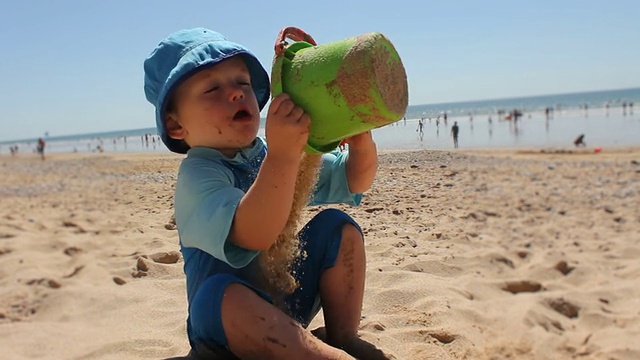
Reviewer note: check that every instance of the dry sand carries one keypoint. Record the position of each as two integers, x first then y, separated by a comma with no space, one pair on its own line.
479,255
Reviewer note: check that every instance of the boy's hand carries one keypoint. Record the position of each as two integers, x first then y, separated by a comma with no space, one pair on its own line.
287,127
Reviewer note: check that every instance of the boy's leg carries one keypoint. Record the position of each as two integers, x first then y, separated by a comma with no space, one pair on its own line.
342,288
332,275
255,329
341,293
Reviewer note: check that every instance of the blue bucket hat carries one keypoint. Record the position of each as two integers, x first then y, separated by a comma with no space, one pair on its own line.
182,54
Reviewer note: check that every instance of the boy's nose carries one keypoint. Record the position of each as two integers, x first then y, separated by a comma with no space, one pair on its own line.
236,92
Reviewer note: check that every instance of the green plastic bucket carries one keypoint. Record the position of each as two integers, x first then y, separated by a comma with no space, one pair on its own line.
347,87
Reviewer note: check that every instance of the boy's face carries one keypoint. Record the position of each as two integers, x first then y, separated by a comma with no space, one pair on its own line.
216,108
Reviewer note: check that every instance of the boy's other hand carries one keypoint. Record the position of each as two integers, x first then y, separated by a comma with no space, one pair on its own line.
287,127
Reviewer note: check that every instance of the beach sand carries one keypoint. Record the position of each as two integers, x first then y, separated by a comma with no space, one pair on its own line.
490,254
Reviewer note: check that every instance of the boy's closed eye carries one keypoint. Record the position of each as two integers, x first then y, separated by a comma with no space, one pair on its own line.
244,81
215,87
212,89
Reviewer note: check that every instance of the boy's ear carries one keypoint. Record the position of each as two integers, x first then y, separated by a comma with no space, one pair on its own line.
174,129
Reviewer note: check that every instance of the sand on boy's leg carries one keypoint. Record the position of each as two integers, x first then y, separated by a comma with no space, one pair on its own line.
342,293
255,329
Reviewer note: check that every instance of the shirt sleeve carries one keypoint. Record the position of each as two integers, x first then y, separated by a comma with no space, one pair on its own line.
205,205
332,187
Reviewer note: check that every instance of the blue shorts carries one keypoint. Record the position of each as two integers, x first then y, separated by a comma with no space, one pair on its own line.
320,238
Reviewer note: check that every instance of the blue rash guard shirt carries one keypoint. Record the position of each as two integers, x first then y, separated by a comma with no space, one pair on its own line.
209,189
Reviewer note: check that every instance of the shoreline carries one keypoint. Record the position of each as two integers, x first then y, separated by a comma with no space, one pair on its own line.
477,131
524,150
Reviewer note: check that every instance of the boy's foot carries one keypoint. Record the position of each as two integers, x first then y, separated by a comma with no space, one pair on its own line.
356,347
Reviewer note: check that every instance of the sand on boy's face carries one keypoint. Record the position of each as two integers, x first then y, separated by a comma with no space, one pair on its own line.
483,255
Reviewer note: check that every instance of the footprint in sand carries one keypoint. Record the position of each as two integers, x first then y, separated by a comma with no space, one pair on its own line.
564,307
72,250
19,309
373,326
71,224
47,282
171,225
74,272
504,260
548,324
516,287
170,257
142,267
564,268
443,337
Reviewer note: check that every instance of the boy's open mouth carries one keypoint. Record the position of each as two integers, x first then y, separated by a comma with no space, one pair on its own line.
242,115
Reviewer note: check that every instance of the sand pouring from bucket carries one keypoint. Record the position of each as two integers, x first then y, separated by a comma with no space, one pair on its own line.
347,87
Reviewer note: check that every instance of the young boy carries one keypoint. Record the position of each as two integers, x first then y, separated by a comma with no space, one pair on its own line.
233,198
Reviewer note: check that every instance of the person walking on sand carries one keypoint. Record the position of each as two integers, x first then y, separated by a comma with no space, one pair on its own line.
40,147
454,133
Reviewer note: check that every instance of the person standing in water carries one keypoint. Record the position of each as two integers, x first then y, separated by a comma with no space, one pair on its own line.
40,147
454,133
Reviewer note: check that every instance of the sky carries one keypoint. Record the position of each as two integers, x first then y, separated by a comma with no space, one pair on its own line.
74,67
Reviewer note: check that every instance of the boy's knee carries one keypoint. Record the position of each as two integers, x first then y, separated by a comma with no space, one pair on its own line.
352,233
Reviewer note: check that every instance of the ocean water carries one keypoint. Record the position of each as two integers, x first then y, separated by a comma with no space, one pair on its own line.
606,118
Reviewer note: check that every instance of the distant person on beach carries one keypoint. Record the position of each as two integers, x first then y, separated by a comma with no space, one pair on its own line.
40,147
579,141
419,130
233,197
454,133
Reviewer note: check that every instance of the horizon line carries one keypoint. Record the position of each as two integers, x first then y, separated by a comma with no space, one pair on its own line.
104,133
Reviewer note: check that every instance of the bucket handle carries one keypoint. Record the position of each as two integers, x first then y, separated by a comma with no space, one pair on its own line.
294,34
280,48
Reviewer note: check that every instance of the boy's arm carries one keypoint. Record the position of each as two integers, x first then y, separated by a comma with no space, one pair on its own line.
362,162
264,209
